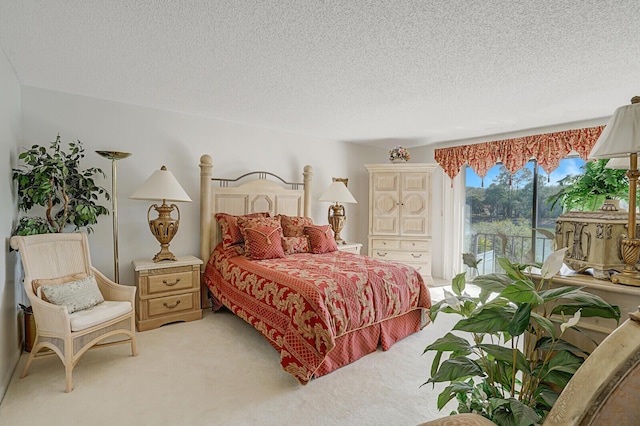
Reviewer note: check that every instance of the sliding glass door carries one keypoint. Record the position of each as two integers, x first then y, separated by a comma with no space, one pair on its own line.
503,211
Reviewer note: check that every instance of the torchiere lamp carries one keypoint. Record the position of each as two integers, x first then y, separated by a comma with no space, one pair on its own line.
114,156
337,193
621,139
162,185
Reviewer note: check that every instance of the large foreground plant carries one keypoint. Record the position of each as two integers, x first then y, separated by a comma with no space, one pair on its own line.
52,178
513,365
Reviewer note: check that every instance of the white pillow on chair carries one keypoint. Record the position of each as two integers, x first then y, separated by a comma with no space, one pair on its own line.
75,295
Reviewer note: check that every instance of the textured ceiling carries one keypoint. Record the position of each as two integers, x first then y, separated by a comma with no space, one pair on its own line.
420,72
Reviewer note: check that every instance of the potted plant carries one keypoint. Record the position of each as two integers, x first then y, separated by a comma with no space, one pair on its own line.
514,362
588,192
52,178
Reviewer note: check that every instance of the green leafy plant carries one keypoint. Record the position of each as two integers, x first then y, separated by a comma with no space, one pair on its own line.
588,191
514,361
52,178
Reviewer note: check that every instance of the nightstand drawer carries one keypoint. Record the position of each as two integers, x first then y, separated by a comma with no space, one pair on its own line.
350,247
170,304
170,282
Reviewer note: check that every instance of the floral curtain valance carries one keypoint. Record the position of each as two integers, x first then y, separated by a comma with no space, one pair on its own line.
548,149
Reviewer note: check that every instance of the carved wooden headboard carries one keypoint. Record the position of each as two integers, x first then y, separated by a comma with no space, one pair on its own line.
249,193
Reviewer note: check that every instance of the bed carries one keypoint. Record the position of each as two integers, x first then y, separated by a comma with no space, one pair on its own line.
320,308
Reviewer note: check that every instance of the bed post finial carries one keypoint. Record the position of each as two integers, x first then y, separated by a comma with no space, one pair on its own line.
308,177
206,166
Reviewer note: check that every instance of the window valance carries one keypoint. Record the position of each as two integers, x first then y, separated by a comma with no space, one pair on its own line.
548,149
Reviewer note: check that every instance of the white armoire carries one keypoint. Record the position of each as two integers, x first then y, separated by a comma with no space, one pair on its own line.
400,214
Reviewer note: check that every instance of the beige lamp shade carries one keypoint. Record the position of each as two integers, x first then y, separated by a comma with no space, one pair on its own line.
621,136
162,185
618,163
337,193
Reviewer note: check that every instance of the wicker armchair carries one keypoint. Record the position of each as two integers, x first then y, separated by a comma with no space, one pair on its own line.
51,256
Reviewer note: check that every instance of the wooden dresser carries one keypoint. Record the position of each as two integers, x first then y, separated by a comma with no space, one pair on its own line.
167,291
400,214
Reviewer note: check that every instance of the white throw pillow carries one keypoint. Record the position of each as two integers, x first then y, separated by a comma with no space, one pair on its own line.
75,295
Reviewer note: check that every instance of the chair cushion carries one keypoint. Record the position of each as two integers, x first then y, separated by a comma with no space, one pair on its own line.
98,314
75,295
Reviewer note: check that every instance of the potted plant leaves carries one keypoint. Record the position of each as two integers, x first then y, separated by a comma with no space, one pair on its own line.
52,178
513,361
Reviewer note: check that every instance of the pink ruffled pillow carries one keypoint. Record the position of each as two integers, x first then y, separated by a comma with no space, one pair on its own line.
293,226
231,234
321,239
263,242
293,245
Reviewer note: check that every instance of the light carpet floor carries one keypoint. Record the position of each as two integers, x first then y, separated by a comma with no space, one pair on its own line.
219,370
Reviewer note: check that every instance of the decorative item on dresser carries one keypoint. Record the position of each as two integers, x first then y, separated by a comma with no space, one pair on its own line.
400,214
399,154
162,185
593,239
167,292
337,193
621,139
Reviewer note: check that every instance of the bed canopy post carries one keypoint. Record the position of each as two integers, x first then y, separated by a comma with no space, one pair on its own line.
206,166
308,177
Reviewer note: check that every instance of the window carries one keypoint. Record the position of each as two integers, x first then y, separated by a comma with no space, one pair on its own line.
502,212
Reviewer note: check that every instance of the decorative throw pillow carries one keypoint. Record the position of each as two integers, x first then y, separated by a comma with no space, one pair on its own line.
231,234
263,242
251,222
321,239
75,295
293,245
37,283
293,226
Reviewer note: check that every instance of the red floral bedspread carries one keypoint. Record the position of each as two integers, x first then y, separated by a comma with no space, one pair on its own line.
302,303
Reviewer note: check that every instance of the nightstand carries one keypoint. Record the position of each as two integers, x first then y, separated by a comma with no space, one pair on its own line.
350,247
168,291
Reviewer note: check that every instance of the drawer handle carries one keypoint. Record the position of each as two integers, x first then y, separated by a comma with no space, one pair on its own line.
381,254
416,256
171,284
166,305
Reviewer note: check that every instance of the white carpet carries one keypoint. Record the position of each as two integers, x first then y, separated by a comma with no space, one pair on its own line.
221,371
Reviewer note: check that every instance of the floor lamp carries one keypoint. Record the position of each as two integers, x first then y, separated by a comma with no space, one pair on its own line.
114,156
621,139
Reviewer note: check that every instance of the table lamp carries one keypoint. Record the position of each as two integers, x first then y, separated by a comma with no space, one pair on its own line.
621,139
337,193
162,185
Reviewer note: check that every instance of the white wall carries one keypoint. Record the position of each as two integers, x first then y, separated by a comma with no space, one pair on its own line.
10,290
157,138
